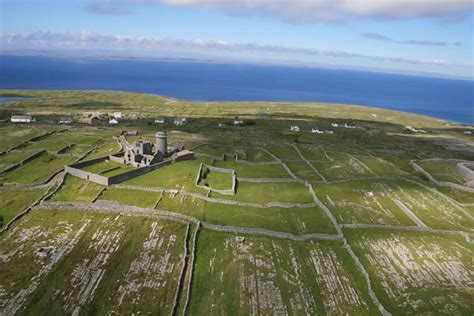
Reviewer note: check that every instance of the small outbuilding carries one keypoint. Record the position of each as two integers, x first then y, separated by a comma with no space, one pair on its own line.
317,131
159,120
22,119
294,128
180,121
113,121
334,124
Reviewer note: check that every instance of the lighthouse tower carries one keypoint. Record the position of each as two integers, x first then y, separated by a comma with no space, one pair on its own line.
162,143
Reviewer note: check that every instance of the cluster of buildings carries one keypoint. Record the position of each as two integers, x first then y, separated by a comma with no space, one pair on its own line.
141,153
314,130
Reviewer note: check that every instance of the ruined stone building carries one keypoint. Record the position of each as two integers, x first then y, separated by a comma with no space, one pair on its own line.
141,152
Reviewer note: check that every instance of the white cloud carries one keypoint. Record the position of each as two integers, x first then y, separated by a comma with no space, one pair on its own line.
325,10
91,40
386,39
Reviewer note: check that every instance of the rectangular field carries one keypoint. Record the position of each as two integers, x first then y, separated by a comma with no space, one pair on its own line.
263,276
37,170
70,262
416,273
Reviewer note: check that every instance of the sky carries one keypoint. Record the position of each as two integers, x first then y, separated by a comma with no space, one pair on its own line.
416,37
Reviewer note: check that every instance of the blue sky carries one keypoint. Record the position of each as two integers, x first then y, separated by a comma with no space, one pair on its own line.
422,36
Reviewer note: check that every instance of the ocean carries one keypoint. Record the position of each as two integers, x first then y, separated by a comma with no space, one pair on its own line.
440,98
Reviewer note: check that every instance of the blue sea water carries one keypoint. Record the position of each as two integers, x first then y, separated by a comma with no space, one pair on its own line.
442,98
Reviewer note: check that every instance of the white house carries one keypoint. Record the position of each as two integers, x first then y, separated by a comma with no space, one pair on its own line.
180,121
238,122
350,125
117,115
317,131
22,119
467,132
65,120
159,120
334,124
294,128
113,121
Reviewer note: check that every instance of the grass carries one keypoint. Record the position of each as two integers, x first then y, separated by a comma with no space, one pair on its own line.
139,198
37,170
270,192
410,271
362,202
180,175
251,171
303,171
13,202
416,273
50,147
442,170
111,246
457,195
76,190
215,180
292,220
103,167
229,279
14,157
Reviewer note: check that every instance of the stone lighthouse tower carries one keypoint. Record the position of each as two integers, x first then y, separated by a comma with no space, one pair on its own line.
162,143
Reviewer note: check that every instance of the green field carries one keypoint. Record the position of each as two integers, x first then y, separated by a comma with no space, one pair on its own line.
13,202
101,263
264,276
76,190
36,170
417,273
270,249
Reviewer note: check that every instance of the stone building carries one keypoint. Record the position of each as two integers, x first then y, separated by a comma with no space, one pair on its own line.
141,152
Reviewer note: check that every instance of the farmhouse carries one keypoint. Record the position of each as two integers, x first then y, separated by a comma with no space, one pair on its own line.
180,121
317,131
22,119
117,115
65,120
294,128
350,125
113,121
160,120
238,121
334,124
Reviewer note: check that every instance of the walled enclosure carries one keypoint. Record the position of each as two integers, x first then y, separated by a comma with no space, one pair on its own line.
75,170
216,169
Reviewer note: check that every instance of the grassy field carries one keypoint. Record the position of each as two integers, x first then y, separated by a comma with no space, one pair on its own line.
180,175
76,190
417,273
362,202
215,179
269,192
78,262
251,171
292,220
36,170
131,197
269,277
102,263
13,202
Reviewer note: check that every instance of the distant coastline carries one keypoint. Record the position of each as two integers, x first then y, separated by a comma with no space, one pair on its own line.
451,100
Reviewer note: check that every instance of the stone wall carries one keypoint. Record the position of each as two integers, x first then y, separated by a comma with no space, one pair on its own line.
230,191
466,170
137,172
89,176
